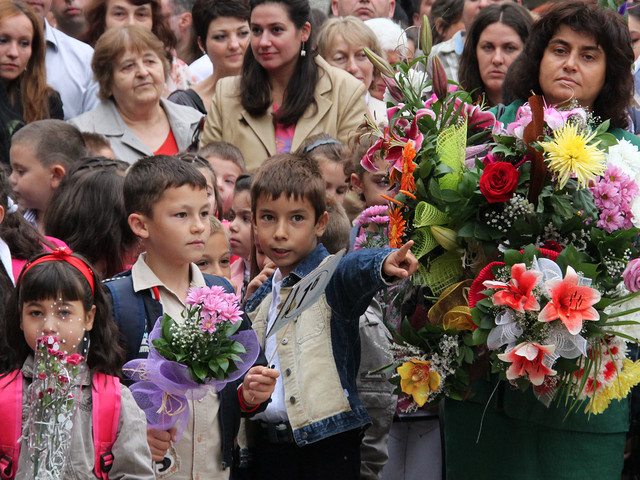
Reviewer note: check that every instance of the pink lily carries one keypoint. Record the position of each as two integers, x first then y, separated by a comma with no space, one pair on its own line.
393,144
526,359
571,303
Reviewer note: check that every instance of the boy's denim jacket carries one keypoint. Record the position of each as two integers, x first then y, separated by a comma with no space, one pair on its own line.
320,350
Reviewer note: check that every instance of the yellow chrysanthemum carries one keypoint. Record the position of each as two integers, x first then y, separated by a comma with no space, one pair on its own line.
417,380
628,377
570,154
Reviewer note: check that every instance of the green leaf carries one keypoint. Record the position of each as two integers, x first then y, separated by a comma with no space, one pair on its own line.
224,364
166,324
237,347
512,257
480,336
199,371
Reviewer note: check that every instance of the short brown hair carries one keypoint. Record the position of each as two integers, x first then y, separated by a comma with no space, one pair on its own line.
224,150
337,235
150,177
54,142
294,175
113,44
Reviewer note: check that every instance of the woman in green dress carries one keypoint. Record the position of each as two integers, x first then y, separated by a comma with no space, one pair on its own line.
576,51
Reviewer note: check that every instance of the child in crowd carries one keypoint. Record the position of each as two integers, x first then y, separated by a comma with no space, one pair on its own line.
41,153
19,240
337,234
315,418
331,157
240,229
87,212
216,259
167,207
59,294
204,167
261,267
374,389
98,145
368,185
228,163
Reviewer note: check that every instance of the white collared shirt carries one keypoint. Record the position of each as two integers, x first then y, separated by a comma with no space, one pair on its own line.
199,456
68,63
276,411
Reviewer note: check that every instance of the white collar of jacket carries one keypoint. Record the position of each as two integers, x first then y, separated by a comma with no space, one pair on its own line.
183,120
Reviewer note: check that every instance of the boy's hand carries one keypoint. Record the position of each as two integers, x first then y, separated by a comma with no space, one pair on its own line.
258,385
400,263
159,442
259,279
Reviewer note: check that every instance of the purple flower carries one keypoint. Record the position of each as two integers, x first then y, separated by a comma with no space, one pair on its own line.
380,219
605,195
196,295
357,244
368,213
612,220
631,275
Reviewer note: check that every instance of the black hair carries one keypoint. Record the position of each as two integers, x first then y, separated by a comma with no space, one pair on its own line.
243,184
609,32
444,13
255,90
206,11
23,239
77,216
59,279
511,14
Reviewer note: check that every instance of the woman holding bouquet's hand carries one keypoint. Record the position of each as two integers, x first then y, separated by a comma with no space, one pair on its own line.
580,53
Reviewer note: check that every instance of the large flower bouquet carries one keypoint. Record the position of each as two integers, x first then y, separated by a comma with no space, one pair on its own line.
54,395
204,350
543,317
466,188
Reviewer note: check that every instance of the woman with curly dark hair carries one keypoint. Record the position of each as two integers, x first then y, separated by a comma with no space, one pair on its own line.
576,51
494,41
102,15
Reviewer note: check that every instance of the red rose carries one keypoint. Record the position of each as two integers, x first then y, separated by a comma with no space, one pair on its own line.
499,181
74,359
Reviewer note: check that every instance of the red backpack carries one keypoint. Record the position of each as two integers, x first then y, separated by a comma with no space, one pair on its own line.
105,396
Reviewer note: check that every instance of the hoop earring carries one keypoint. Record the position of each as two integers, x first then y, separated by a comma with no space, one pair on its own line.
303,52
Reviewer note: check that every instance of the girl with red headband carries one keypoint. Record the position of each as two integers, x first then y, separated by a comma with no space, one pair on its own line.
59,294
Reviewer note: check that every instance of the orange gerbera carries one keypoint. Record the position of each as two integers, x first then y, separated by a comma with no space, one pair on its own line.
407,181
396,227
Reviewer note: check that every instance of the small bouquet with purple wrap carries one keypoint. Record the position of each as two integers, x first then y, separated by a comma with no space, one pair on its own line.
204,350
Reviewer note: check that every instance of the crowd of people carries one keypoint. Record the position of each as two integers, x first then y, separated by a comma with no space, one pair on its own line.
148,147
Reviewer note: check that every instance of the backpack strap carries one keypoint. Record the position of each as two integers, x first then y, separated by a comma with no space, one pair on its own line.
10,423
106,399
128,311
211,280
